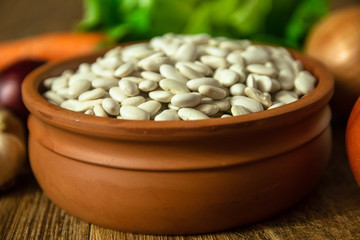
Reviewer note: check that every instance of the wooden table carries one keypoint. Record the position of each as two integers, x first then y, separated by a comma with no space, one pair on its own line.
330,211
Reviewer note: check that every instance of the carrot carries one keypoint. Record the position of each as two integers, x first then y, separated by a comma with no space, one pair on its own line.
49,46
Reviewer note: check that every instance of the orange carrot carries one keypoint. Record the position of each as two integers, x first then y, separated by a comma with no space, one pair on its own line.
49,46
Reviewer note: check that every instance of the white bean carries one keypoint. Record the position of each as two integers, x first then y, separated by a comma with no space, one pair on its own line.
152,107
117,94
124,70
86,105
81,77
237,110
128,87
226,77
148,85
196,66
249,103
237,89
201,68
188,71
143,54
92,94
215,51
59,82
255,55
275,85
258,96
304,82
191,114
69,104
167,115
186,52
263,83
52,96
133,113
89,112
157,42
173,86
285,96
99,111
223,104
286,78
262,69
136,80
129,51
185,100
194,84
214,61
84,68
240,70
64,93
173,107
102,72
297,66
208,109
236,58
161,96
170,72
170,46
250,81
48,82
276,105
78,87
212,92
111,106
109,62
153,76
67,73
133,101
105,83
153,63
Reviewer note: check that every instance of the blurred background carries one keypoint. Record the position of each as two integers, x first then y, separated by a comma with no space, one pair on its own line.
19,18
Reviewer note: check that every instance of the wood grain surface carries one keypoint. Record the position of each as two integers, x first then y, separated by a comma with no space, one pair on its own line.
330,211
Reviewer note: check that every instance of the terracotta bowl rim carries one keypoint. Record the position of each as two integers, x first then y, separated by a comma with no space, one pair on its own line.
56,115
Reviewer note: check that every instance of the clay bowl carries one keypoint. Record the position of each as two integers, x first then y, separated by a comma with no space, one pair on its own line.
178,177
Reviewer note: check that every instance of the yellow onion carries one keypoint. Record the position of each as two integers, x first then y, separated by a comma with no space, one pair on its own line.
335,41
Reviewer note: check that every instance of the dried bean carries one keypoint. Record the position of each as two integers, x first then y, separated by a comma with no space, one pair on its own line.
133,113
191,114
167,115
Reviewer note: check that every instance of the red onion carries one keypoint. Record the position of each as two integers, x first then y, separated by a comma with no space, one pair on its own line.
10,86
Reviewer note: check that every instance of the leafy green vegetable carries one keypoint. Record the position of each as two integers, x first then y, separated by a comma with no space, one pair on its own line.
305,15
283,22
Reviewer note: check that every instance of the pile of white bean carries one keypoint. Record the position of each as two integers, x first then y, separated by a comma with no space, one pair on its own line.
182,77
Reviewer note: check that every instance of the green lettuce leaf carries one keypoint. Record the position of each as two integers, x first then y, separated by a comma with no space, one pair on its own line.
282,22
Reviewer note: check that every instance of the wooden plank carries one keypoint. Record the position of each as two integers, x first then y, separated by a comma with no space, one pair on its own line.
26,213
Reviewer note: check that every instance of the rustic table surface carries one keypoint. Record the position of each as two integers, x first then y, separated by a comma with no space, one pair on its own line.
330,211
